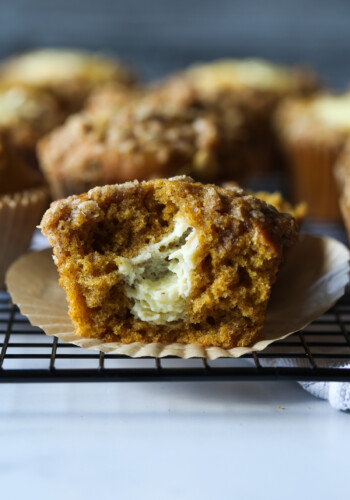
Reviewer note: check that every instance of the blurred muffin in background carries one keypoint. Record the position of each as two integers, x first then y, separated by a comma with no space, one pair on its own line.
342,177
263,78
108,99
69,75
25,116
313,132
40,89
158,132
260,85
23,199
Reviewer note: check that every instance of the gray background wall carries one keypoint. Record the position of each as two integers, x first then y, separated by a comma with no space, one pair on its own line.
163,35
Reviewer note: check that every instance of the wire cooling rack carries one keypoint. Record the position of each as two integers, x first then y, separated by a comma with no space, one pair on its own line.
319,352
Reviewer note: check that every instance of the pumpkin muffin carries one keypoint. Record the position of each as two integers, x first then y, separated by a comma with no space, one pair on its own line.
168,261
261,86
313,132
342,177
69,75
23,200
25,116
149,134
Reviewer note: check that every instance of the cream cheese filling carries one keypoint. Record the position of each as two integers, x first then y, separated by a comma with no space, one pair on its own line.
158,280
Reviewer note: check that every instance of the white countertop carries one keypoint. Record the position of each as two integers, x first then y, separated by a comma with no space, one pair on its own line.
172,441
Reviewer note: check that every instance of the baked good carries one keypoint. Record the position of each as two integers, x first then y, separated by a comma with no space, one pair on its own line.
256,75
313,132
342,178
168,261
23,200
298,211
69,75
108,99
155,133
261,86
25,116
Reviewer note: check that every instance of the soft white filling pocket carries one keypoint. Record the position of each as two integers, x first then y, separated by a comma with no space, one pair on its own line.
158,280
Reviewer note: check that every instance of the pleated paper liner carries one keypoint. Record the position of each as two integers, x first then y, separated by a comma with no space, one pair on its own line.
19,214
312,279
312,177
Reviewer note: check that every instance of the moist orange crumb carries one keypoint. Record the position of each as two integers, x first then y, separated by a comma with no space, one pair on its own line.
168,261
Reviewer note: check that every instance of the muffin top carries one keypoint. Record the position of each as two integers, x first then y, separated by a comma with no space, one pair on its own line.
27,114
298,212
254,74
46,67
331,110
324,115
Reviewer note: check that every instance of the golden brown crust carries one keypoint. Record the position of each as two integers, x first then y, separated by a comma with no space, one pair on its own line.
298,211
276,199
241,245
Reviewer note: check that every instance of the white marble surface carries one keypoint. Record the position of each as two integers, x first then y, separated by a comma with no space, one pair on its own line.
172,441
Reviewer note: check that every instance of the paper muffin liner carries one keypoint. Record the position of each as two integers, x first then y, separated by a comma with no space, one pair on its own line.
344,204
342,178
313,278
19,214
311,169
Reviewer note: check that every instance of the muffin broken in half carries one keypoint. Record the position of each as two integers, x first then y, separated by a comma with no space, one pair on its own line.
168,261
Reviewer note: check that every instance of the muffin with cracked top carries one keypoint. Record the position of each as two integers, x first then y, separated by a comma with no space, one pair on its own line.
148,134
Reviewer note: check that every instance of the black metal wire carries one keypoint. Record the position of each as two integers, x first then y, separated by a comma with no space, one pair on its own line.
53,353
5,344
307,350
321,350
